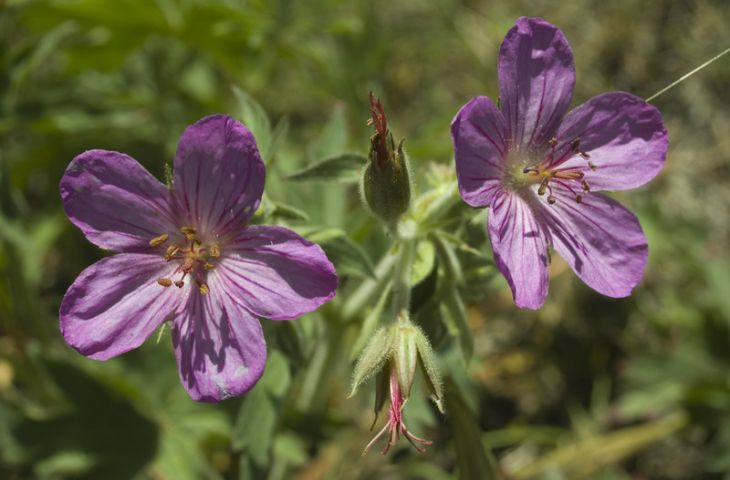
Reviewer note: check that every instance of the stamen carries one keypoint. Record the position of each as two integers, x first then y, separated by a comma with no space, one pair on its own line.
209,266
543,186
189,233
165,282
586,187
187,265
578,198
215,251
553,142
551,199
179,284
592,166
157,241
204,290
171,251
583,154
534,170
574,144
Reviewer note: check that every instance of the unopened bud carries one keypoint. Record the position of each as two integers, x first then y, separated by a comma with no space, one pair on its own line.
385,182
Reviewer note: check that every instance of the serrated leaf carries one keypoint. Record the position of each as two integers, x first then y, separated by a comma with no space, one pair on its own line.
344,168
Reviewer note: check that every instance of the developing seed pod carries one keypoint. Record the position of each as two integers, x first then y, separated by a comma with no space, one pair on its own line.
385,183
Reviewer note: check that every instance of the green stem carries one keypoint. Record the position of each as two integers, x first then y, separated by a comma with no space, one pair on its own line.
402,279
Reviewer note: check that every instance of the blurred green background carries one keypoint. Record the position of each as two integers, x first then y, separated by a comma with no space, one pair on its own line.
588,387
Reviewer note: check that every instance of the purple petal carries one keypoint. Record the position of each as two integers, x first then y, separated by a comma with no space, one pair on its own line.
479,133
219,175
219,346
624,136
116,202
536,79
275,273
601,240
116,303
520,249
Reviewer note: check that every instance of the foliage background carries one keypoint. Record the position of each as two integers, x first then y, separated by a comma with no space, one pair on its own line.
588,387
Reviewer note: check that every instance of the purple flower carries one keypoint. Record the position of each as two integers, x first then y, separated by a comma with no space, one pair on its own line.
538,169
187,255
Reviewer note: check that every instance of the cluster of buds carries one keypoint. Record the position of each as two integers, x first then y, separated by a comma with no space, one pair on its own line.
385,182
393,355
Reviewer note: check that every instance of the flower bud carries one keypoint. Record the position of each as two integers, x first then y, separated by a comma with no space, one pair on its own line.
385,184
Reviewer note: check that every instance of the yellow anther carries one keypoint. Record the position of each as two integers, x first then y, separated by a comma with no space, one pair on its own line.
553,141
209,266
586,187
215,251
204,290
189,233
171,251
179,284
157,241
165,282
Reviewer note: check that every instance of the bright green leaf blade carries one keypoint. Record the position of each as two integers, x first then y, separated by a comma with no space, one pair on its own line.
344,168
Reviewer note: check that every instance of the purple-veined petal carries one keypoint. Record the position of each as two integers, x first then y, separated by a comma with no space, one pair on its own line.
624,137
275,273
520,248
479,134
600,239
536,80
218,175
116,303
219,346
115,202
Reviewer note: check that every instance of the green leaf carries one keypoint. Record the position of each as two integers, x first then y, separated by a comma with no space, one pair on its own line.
370,324
472,460
287,212
333,139
423,262
259,414
456,322
344,168
253,116
275,140
349,258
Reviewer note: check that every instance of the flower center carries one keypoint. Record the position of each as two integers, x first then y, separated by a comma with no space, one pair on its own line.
195,258
548,170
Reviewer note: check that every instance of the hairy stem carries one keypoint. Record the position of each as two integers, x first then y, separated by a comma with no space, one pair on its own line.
402,278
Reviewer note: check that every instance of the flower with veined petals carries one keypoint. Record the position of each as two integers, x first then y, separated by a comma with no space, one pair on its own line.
188,255
538,169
